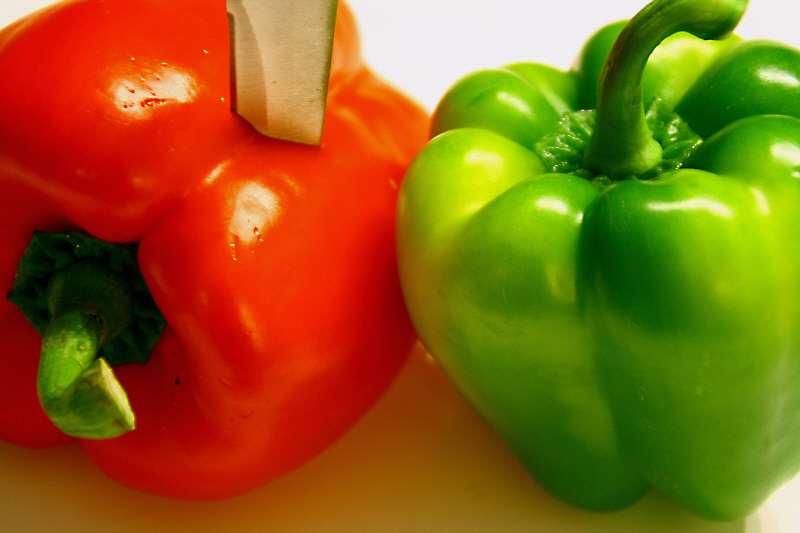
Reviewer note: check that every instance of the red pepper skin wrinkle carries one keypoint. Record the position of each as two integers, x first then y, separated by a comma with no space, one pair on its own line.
274,265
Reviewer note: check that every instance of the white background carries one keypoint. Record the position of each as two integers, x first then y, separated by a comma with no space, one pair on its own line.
421,460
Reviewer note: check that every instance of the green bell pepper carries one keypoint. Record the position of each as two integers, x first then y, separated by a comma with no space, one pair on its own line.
605,261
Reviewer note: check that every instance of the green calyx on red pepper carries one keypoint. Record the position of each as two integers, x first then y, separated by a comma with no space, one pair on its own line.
604,260
88,301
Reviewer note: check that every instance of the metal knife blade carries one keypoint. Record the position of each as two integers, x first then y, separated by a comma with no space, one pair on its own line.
280,62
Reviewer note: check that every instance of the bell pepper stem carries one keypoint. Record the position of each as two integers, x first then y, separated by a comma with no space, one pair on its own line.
89,305
77,390
622,144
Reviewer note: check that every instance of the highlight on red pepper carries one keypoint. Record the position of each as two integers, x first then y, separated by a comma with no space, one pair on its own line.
205,307
605,260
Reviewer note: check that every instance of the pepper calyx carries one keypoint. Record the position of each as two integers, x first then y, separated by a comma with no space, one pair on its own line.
88,300
562,151
48,253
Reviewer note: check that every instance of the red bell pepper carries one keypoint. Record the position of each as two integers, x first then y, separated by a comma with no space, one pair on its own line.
273,263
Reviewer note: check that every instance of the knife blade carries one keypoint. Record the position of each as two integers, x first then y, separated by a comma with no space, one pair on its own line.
280,63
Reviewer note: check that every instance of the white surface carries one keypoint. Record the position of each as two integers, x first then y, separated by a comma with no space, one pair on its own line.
423,46
421,460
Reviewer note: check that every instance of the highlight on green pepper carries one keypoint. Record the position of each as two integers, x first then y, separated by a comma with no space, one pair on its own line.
605,261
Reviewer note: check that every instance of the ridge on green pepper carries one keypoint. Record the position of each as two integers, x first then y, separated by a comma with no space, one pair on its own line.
604,260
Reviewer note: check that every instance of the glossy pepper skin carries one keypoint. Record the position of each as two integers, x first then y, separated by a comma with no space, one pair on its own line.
273,263
623,320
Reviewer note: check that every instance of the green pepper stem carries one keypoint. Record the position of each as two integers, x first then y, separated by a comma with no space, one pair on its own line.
89,305
77,390
622,144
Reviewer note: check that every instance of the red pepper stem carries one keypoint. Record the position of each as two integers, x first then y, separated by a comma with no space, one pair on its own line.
78,391
89,305
622,144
